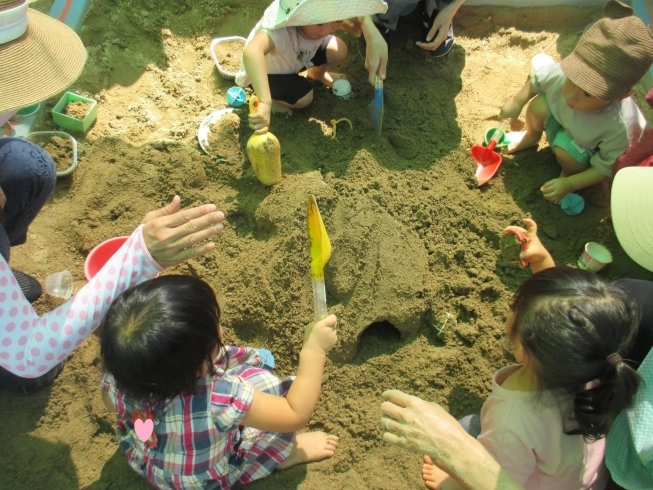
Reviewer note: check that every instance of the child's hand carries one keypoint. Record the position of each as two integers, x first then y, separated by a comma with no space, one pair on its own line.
554,190
321,336
260,120
510,110
536,254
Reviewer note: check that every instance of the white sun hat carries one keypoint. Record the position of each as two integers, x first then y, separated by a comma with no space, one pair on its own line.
289,13
632,213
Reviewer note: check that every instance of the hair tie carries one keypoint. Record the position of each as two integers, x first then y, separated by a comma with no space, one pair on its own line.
614,359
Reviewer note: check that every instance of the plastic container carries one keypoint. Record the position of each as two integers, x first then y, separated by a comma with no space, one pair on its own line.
59,284
572,204
342,89
236,96
101,254
224,73
63,134
502,140
72,123
594,258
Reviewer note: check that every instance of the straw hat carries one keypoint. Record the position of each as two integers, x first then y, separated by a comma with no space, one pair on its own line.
611,57
632,213
289,13
39,56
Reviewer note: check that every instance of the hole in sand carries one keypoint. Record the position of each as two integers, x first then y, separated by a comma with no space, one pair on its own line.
379,338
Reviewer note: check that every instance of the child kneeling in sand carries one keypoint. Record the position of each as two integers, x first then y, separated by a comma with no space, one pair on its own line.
295,36
584,104
194,413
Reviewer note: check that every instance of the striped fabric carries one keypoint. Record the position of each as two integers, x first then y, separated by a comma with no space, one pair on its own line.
198,442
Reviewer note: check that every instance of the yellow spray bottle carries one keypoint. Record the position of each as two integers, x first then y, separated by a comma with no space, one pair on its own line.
264,152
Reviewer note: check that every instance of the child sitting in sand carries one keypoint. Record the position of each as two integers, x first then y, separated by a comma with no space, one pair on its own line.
547,417
194,413
293,37
584,104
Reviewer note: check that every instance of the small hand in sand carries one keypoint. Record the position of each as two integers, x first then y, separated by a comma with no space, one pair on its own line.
435,478
326,78
310,447
554,190
522,140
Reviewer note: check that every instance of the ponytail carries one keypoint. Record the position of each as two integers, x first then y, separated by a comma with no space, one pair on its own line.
596,408
574,325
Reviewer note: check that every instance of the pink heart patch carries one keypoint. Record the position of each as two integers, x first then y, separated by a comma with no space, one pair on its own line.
144,429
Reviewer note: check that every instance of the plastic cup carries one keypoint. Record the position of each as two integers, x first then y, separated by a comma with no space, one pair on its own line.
101,254
59,284
594,258
342,89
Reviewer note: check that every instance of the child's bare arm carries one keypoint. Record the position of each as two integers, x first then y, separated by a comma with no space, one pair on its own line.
254,61
514,106
554,190
289,414
108,403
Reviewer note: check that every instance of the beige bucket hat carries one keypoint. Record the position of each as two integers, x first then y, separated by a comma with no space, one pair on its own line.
632,213
289,13
39,56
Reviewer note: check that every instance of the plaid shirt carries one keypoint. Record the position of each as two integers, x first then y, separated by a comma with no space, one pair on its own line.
198,442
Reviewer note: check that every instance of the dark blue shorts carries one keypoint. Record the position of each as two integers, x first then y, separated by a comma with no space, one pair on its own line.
292,87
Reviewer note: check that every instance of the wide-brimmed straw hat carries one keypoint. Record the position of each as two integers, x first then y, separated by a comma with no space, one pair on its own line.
289,13
632,213
611,57
39,56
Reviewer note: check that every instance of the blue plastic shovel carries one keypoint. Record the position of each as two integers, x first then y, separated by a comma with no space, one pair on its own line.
376,109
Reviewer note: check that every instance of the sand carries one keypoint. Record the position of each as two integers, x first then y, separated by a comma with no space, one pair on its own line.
415,241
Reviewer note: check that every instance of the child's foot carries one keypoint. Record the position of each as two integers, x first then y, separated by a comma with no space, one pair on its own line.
309,447
435,478
280,109
522,140
327,78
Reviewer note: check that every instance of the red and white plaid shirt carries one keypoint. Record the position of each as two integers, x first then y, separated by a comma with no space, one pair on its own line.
198,442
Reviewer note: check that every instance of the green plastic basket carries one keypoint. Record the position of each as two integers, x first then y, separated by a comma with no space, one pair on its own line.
72,123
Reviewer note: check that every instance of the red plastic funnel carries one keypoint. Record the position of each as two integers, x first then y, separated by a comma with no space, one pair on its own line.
487,161
101,254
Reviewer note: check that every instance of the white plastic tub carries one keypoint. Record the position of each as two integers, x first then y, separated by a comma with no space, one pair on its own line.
224,73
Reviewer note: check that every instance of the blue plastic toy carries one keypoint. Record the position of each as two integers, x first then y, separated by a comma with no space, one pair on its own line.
236,96
572,204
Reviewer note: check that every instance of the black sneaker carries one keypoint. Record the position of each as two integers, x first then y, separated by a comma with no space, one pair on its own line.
30,287
447,44
26,386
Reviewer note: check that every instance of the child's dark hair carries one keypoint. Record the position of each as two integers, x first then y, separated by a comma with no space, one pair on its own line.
575,327
158,335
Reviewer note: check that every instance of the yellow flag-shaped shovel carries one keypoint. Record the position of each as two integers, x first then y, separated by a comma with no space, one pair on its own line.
320,248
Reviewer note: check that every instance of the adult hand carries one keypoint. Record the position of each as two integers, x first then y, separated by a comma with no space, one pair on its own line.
554,190
173,235
423,427
259,121
438,32
321,335
376,53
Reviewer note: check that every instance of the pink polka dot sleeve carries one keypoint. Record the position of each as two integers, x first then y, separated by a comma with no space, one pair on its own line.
31,345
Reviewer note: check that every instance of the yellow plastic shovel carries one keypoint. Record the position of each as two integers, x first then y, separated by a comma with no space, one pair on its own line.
320,248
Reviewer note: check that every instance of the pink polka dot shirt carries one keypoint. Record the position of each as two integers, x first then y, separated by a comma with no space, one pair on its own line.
31,345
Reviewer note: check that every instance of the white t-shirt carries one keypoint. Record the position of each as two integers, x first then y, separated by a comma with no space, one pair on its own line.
293,52
525,435
606,133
